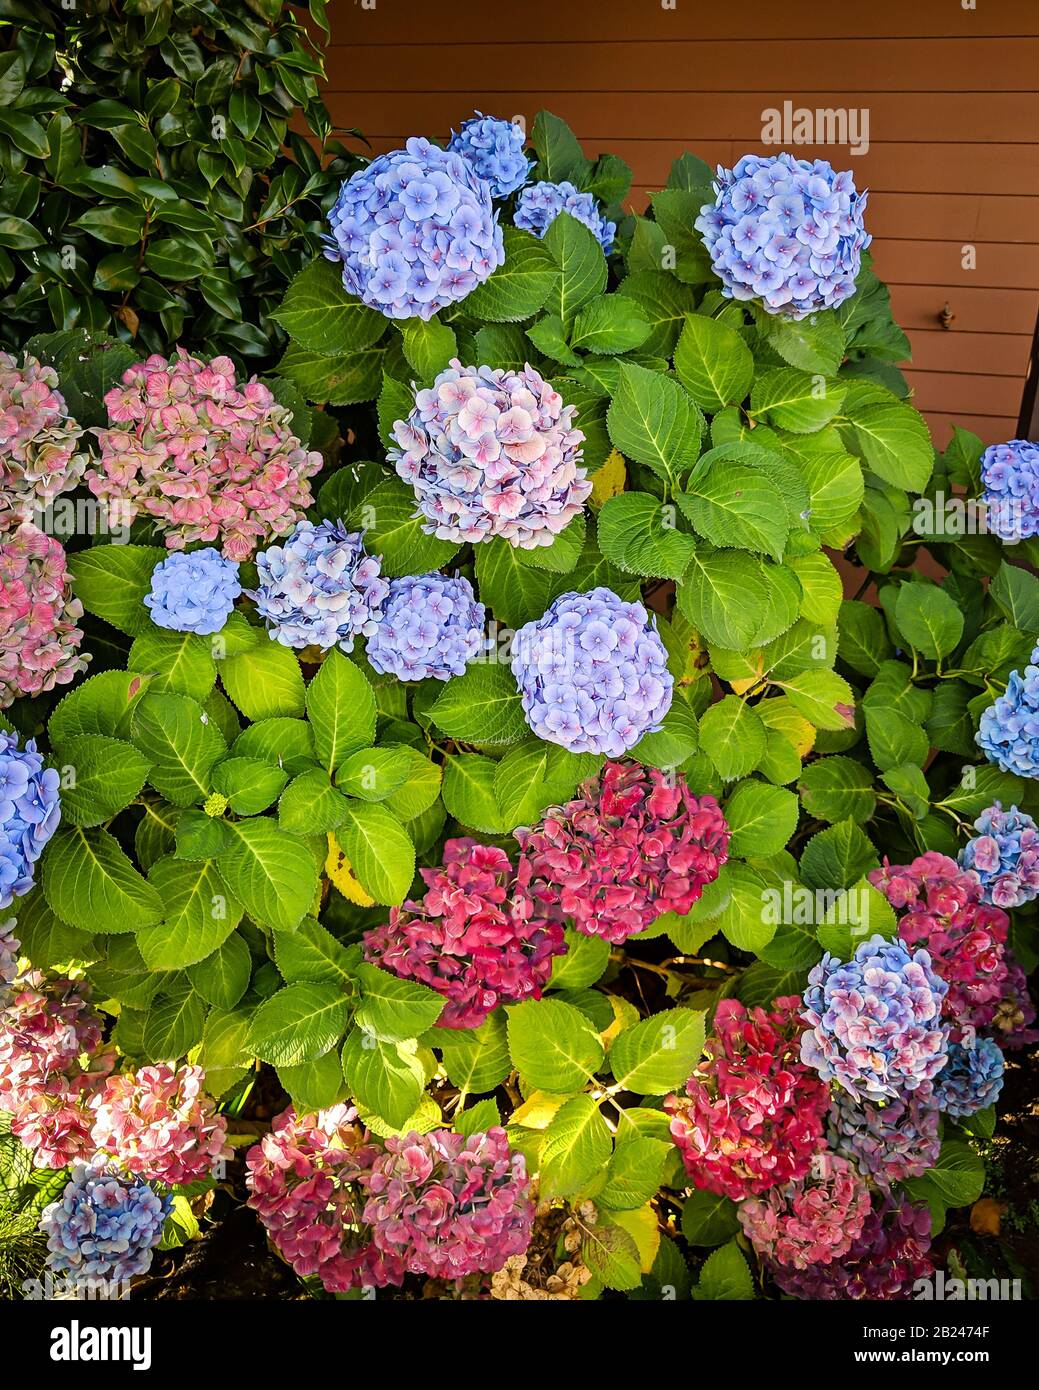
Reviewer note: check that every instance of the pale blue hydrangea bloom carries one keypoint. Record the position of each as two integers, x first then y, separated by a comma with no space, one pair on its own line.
539,205
971,1080
193,591
431,627
29,814
495,150
1008,731
104,1225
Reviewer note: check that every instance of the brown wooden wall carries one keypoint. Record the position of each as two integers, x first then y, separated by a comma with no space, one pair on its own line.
954,130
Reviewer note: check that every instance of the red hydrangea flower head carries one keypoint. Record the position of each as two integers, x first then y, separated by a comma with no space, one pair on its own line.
965,937
478,936
754,1114
159,1123
449,1206
634,844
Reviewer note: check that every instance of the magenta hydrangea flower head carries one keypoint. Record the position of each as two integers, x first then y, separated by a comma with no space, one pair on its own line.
430,629
495,150
539,205
1004,856
207,458
885,1261
889,1142
1010,482
492,452
449,1206
39,639
321,588
9,948
40,453
632,845
786,232
105,1224
160,1123
874,1022
30,810
811,1221
1008,731
52,1062
972,1079
752,1116
305,1183
478,937
415,231
964,936
592,673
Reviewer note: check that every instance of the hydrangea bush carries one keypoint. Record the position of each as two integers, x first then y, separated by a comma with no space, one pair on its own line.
482,760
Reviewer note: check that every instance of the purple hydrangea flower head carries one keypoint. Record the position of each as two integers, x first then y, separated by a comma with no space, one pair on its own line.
1008,731
321,588
1004,856
884,1262
492,452
787,232
874,1022
415,231
889,1142
539,205
592,673
29,814
972,1078
1010,479
105,1224
495,150
193,591
431,627
9,948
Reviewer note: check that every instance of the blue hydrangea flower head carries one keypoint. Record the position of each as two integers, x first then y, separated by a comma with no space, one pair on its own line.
874,1022
29,814
592,673
971,1080
431,627
1004,856
787,232
539,205
1010,479
889,1142
415,231
321,588
495,150
193,591
1008,731
105,1224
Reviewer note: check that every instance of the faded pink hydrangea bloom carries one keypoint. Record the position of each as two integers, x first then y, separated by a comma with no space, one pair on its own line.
9,948
632,845
52,1062
966,938
449,1206
39,639
754,1114
477,937
40,454
811,1221
304,1181
160,1123
208,459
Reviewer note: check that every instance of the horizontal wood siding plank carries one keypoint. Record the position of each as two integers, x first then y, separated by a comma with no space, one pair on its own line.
998,265
991,429
985,395
977,311
1002,354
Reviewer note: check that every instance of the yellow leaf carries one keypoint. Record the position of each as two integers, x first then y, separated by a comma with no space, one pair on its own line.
609,480
624,1015
780,715
337,867
641,1225
537,1111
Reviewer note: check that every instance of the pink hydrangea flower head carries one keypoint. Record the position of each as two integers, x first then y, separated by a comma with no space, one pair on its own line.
812,1221
632,845
478,936
52,1062
889,1142
207,458
753,1113
160,1123
304,1180
884,1262
40,453
944,911
39,639
449,1206
492,452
